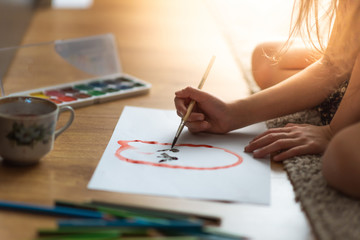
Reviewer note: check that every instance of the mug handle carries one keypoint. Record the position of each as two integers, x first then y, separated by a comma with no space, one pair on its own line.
71,119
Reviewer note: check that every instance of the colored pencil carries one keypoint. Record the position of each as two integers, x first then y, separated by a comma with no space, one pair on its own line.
138,223
105,235
160,213
116,212
129,222
58,211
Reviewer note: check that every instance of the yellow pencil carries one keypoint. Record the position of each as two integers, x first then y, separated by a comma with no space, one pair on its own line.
192,103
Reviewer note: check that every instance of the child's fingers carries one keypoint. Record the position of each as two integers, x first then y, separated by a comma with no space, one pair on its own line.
265,140
192,93
271,131
180,106
292,152
276,147
195,117
198,126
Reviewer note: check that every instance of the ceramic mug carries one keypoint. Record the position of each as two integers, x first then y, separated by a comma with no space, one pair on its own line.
27,128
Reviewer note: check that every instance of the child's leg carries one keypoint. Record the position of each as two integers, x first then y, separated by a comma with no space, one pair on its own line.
341,161
268,72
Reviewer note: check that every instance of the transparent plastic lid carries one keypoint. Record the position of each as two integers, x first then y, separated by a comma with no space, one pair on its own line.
44,64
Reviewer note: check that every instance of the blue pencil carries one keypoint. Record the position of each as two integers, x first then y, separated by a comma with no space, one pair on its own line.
139,223
172,228
58,211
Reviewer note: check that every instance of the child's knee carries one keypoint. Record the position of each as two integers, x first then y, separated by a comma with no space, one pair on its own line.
341,161
262,63
263,53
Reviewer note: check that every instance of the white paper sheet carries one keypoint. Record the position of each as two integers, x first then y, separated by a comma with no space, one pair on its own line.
208,166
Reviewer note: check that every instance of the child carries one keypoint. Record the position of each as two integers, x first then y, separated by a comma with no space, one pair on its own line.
299,80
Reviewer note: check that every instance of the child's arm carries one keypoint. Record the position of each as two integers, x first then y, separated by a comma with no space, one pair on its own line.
301,91
302,139
348,112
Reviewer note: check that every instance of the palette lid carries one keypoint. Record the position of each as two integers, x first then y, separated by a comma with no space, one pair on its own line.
56,62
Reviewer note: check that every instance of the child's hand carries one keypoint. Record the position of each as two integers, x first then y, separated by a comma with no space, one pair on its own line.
291,140
210,114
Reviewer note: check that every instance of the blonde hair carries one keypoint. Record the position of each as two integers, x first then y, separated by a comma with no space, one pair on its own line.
331,27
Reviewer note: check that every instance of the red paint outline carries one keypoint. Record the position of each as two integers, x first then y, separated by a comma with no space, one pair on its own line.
126,146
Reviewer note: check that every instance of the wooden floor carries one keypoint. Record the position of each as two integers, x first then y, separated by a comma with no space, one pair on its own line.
169,44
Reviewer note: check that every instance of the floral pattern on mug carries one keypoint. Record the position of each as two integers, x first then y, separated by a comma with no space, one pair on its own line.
29,135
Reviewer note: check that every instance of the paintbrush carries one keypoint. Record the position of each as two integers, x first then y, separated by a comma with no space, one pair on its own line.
192,103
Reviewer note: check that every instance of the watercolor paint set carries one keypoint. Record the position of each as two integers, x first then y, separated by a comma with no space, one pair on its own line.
91,91
78,72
